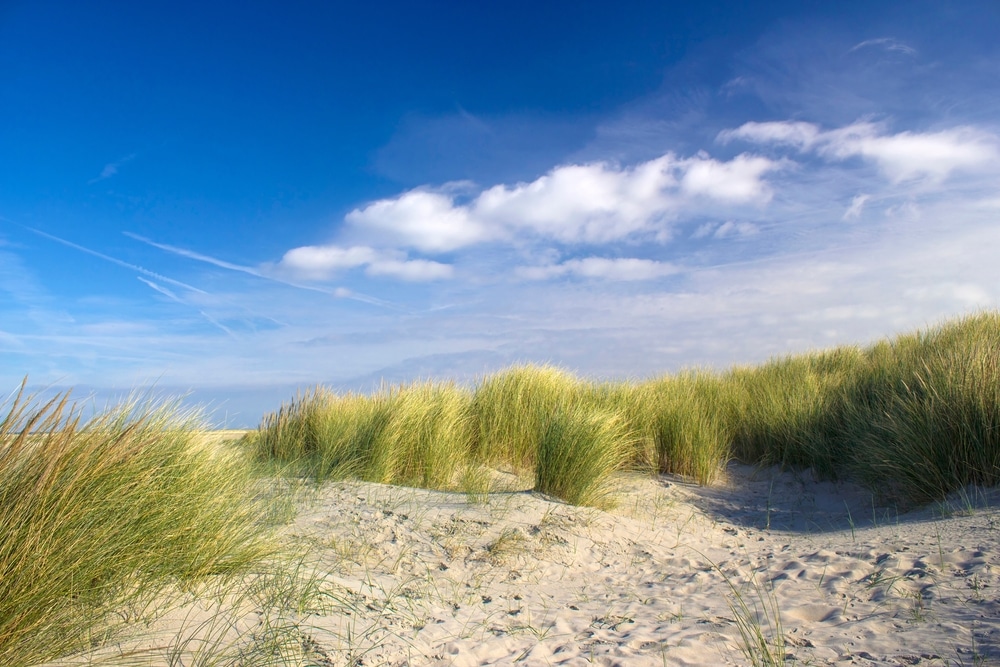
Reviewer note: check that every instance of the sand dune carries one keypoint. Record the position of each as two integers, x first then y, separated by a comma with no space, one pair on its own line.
417,577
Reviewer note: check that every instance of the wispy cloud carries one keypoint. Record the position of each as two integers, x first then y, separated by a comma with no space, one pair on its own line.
887,43
619,269
111,169
902,156
853,212
173,297
728,229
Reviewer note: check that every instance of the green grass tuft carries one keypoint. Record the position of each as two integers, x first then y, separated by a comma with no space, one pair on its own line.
102,516
577,454
512,409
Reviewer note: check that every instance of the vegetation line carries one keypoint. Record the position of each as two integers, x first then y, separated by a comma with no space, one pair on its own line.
915,418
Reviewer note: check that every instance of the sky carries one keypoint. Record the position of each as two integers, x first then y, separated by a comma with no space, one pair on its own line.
232,202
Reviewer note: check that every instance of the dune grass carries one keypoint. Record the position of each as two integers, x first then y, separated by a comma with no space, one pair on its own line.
511,412
99,517
102,516
577,454
416,435
914,417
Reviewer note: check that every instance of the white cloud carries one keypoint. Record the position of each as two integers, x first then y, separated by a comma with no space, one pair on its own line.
853,212
900,157
739,181
421,219
322,262
887,43
414,270
592,203
625,269
908,155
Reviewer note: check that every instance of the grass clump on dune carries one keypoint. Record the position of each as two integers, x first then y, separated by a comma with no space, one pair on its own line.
915,417
415,435
924,418
528,420
786,411
100,517
512,410
578,452
688,436
427,438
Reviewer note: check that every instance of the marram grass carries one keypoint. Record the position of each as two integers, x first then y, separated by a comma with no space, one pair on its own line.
915,417
577,453
100,517
512,409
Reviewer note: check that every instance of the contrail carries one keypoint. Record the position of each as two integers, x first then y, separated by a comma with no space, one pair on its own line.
190,254
133,267
340,292
173,297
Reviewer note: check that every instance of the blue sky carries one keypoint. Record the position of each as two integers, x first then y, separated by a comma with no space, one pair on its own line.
234,200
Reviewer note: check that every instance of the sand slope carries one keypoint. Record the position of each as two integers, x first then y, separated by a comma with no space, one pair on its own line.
436,580
415,577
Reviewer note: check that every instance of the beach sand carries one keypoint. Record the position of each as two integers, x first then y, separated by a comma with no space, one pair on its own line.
417,577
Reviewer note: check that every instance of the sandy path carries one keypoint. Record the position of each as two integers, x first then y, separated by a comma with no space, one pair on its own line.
434,579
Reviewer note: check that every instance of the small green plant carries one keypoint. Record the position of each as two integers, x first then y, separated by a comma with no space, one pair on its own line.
758,618
509,544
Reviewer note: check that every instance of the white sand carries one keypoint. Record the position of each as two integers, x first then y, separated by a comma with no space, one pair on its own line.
417,577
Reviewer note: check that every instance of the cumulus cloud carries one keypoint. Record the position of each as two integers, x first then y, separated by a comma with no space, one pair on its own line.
322,262
739,181
601,268
421,219
900,157
592,203
909,155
